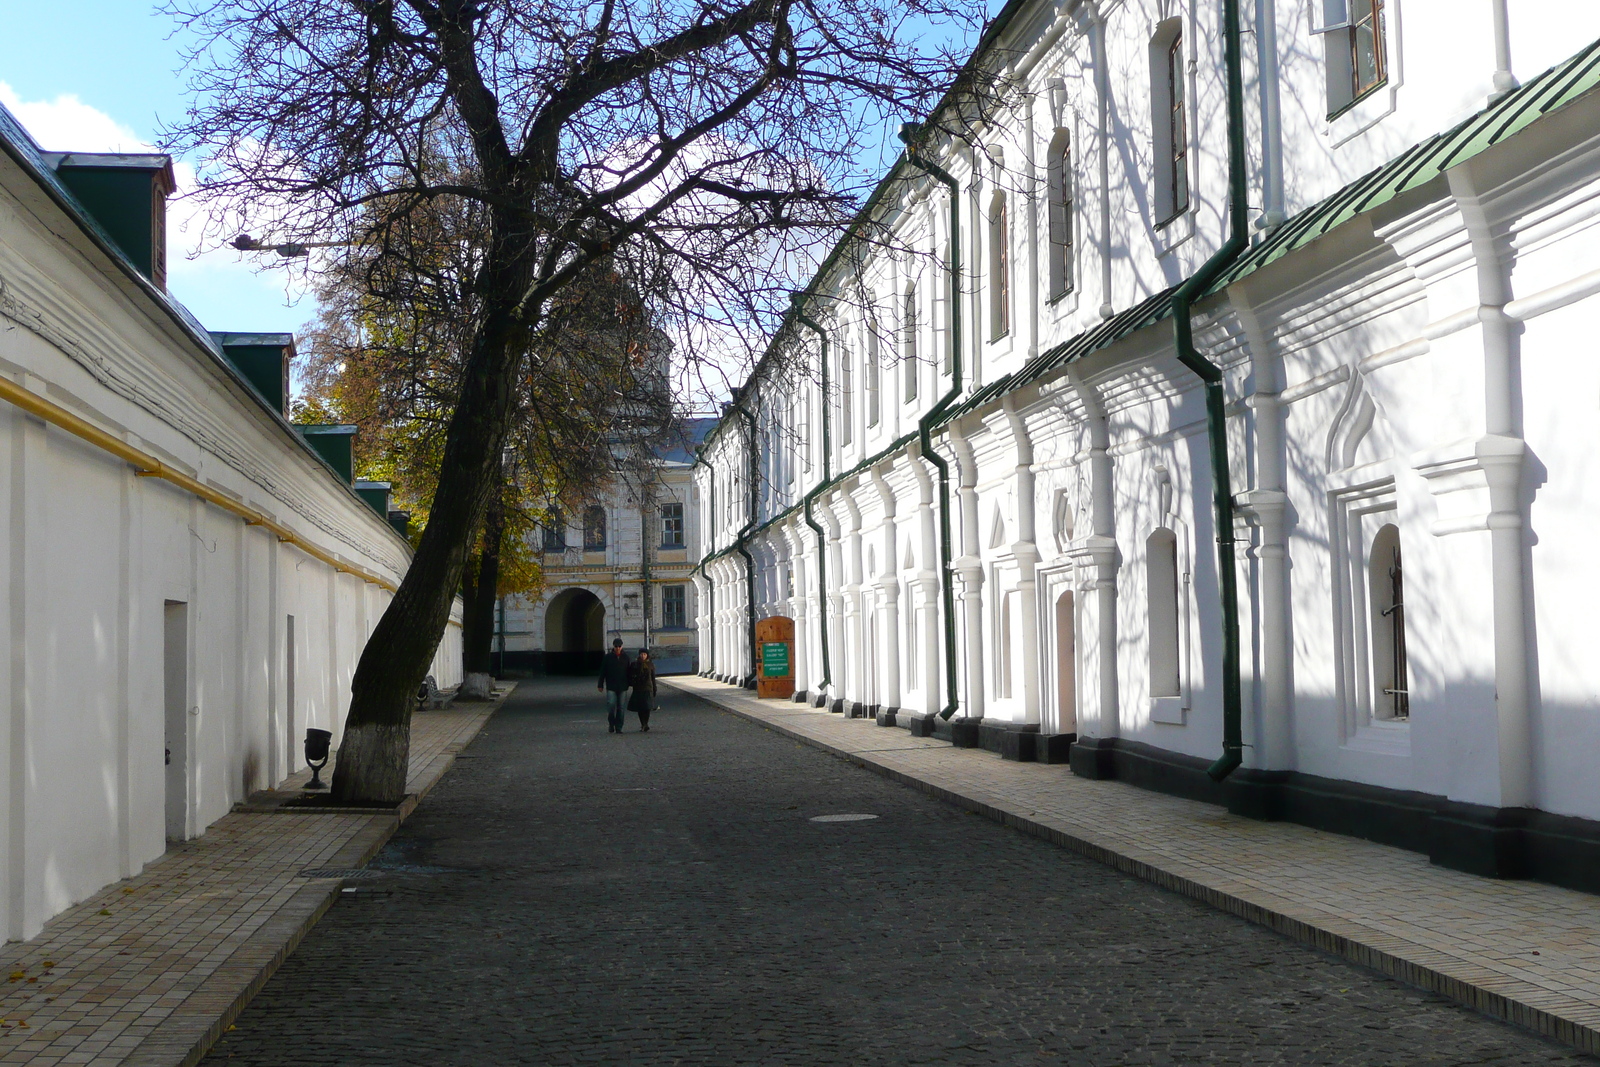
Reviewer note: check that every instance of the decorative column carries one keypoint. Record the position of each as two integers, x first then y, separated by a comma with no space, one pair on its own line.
854,623
1026,552
969,569
1092,756
889,590
927,593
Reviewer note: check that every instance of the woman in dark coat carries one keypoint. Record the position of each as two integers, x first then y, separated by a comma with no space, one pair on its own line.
642,676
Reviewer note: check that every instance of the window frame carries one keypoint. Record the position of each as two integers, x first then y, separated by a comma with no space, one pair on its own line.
999,266
592,542
1062,232
555,531
674,601
667,527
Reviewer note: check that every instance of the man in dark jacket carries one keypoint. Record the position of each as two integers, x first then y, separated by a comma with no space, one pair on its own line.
614,683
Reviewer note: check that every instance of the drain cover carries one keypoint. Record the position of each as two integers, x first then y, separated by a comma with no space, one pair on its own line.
339,872
842,818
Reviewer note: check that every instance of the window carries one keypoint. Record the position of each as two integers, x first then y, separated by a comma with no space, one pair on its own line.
1161,593
1169,117
908,343
555,531
873,374
674,607
999,269
671,525
1357,52
1061,194
1366,47
594,529
1386,594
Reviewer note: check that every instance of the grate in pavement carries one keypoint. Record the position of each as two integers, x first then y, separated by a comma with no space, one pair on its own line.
339,872
851,817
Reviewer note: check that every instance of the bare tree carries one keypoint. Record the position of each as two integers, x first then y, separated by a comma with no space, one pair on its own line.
703,148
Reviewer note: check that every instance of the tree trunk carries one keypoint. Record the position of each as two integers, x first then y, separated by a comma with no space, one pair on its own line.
477,617
375,751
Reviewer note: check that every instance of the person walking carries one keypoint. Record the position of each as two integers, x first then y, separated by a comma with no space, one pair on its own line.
614,683
643,677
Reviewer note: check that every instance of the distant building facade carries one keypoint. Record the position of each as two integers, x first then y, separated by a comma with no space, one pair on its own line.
189,578
618,567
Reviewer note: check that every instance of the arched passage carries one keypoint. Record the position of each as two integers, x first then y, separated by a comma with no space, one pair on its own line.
574,633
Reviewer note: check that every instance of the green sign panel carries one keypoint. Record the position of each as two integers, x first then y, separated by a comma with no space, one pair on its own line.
775,659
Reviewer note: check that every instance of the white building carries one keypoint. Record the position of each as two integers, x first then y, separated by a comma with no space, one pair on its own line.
1406,365
189,581
619,568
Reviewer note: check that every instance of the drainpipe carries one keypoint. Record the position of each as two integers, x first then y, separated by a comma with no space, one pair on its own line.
908,132
1216,400
742,540
1504,79
798,300
1272,214
1102,89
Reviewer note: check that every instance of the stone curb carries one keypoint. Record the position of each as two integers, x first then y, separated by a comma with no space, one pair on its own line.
176,1043
1499,1005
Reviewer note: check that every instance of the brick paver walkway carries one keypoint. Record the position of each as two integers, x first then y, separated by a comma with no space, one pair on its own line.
1523,951
152,969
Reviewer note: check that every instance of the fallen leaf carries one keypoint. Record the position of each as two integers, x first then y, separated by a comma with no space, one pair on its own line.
49,963
104,911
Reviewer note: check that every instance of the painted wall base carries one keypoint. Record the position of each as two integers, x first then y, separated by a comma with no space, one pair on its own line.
887,716
1475,838
962,732
1017,741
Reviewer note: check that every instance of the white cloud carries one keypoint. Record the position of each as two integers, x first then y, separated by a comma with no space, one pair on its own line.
220,286
68,124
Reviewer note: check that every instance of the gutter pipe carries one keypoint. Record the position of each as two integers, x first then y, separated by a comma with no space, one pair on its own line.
742,539
798,301
908,133
1216,413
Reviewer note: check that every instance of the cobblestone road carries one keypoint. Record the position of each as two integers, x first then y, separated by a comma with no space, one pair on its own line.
566,896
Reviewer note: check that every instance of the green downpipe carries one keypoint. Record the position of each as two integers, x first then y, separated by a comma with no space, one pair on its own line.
908,133
798,300
1216,411
741,542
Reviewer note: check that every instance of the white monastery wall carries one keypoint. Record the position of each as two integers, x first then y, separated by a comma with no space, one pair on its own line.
142,619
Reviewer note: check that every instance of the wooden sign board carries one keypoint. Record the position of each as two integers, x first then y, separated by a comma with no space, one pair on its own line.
775,672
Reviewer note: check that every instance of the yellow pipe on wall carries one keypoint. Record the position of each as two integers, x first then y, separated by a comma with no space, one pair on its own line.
148,466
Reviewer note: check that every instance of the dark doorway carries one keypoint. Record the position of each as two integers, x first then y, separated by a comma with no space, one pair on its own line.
574,633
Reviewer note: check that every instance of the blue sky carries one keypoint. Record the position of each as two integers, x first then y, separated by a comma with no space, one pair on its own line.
95,75
101,75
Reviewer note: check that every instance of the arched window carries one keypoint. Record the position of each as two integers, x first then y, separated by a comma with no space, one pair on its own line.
1061,211
999,268
1161,592
1170,120
555,531
1386,593
908,343
594,528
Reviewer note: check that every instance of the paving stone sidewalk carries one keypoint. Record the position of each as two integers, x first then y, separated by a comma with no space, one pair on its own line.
1522,951
151,970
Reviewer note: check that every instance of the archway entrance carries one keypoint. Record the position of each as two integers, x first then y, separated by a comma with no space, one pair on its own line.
574,633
